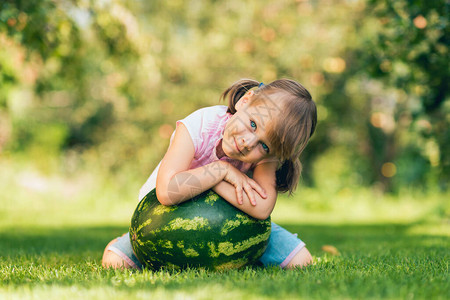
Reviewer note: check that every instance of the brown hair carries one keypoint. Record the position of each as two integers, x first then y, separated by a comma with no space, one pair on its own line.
289,134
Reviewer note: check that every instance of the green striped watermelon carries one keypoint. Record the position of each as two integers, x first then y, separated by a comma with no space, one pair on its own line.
205,231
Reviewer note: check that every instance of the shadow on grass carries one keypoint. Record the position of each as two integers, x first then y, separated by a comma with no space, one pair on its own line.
374,261
348,239
64,241
373,239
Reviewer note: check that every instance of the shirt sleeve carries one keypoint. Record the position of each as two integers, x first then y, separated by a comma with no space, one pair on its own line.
194,124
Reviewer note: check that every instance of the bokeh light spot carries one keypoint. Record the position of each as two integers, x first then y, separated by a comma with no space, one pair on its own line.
420,22
376,119
388,169
165,131
317,79
334,65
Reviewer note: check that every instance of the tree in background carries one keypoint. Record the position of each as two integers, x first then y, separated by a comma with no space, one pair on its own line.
104,81
71,73
408,52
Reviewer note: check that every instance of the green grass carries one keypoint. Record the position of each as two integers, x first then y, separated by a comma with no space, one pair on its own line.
376,261
51,246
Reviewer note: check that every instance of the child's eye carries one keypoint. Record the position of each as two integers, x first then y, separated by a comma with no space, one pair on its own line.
264,146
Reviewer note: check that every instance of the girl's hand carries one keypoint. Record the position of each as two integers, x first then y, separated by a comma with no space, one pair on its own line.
242,183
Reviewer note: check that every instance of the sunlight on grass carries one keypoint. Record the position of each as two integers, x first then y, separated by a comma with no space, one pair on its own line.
112,292
30,197
365,245
438,229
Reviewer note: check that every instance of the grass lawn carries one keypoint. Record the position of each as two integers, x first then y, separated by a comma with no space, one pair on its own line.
51,249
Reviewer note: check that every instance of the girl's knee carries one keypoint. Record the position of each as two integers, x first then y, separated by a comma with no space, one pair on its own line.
112,260
301,259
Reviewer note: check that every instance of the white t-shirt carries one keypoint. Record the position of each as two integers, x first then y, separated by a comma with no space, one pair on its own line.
205,126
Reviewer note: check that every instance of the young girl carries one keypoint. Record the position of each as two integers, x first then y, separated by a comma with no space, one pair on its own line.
246,152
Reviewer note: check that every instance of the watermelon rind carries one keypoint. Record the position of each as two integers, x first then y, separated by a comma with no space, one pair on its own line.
205,231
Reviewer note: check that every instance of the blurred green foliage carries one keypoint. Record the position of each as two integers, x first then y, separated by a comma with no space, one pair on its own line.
102,83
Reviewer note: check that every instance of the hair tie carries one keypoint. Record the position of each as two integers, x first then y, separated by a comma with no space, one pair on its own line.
260,85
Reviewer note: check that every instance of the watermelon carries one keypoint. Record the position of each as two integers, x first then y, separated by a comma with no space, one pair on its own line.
205,232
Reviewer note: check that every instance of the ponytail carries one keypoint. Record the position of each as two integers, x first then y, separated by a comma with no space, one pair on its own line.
236,91
288,175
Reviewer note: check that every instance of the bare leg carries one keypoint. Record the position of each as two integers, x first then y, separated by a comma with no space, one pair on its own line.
112,260
301,259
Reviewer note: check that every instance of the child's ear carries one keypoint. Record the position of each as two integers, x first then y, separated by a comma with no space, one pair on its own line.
244,100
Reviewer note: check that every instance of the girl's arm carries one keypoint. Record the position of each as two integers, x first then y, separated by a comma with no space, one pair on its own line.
174,182
264,175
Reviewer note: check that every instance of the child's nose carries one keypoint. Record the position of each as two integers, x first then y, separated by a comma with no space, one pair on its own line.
249,141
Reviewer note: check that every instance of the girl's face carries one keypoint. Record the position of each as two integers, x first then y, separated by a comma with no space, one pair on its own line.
245,135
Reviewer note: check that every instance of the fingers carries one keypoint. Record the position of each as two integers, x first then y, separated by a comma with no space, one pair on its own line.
240,189
239,194
258,188
242,184
250,194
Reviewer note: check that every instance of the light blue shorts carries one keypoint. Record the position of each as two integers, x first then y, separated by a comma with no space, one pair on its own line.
282,248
